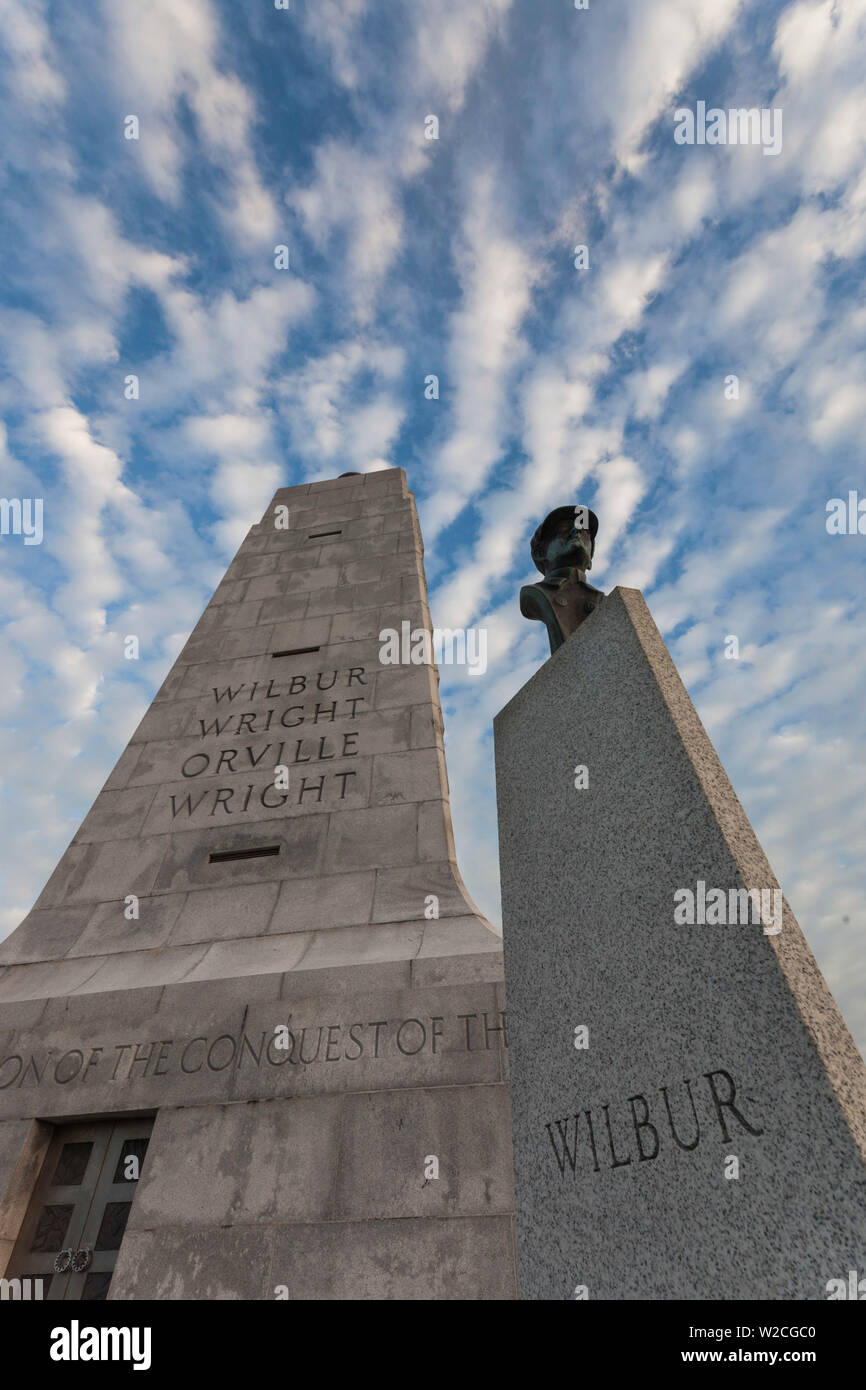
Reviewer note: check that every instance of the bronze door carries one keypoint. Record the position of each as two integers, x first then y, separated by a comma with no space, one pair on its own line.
80,1206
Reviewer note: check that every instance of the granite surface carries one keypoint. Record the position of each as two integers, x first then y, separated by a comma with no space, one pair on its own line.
712,1049
300,1166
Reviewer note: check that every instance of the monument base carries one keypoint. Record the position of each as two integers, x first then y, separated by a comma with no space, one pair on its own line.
689,1107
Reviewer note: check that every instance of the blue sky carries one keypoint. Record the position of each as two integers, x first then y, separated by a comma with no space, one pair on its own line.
453,256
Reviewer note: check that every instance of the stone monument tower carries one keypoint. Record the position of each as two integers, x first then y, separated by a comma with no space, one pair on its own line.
252,1041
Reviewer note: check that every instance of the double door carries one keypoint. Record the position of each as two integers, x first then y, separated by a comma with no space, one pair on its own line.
78,1213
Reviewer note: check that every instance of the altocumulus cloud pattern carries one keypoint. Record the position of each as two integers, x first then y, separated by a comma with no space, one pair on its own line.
693,373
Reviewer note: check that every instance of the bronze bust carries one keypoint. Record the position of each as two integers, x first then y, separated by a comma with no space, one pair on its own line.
562,548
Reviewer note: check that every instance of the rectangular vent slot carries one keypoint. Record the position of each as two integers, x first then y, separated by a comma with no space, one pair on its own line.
317,535
296,651
222,856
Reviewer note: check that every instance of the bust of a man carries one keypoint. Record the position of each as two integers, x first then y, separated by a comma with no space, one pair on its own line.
562,548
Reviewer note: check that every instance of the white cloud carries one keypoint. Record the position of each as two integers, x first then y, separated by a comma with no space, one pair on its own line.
648,389
658,46
333,420
166,53
35,79
496,278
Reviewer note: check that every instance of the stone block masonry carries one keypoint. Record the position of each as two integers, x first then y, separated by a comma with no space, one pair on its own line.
202,907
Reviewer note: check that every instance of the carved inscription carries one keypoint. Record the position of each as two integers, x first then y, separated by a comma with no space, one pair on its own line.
246,752
642,1128
308,1045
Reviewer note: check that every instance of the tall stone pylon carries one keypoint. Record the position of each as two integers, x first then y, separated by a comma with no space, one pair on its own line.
689,1108
252,1033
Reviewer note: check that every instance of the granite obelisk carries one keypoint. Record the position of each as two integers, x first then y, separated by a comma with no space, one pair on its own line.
689,1106
252,1041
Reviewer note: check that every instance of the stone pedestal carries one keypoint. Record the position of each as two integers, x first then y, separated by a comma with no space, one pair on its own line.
708,1141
